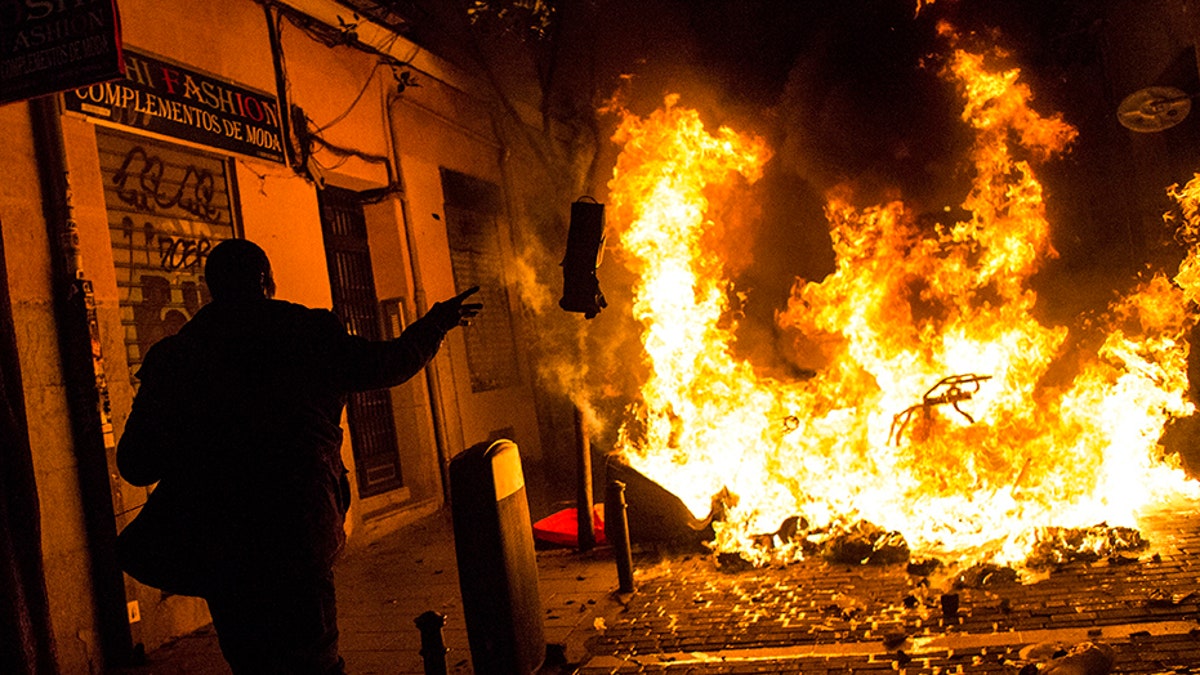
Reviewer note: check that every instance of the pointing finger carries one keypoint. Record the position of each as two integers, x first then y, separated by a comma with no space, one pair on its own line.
466,294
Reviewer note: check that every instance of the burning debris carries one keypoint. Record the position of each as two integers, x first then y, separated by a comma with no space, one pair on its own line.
948,391
662,519
860,543
1085,658
865,543
1031,460
656,516
1060,545
986,575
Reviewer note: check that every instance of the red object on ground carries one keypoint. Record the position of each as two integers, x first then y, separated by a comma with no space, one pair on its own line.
563,527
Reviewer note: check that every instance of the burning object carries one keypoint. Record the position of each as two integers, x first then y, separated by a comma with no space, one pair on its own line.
949,390
655,515
1057,546
864,543
1033,452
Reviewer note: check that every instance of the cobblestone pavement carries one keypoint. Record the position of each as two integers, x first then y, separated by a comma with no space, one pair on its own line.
689,616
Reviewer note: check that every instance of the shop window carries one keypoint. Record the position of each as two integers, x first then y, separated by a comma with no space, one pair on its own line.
473,209
167,207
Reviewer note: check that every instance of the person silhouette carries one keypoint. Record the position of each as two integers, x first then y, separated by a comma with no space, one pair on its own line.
238,422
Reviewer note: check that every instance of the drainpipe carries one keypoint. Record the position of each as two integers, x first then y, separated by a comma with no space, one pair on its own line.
84,380
437,407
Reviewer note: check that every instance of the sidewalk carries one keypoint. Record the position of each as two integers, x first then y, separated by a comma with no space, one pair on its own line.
1131,613
384,586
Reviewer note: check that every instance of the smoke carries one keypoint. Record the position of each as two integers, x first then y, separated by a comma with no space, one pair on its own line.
533,293
592,363
847,94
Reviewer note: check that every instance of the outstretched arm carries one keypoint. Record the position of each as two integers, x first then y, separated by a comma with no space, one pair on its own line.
374,365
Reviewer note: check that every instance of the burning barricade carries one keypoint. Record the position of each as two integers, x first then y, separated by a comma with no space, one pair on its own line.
1040,432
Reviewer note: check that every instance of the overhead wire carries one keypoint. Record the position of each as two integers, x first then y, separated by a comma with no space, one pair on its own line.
331,36
354,103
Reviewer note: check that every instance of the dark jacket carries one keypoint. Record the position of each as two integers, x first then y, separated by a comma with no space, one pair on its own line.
238,420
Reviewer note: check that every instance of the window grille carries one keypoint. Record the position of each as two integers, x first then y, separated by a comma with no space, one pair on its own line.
472,210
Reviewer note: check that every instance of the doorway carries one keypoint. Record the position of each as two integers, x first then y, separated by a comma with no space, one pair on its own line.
348,257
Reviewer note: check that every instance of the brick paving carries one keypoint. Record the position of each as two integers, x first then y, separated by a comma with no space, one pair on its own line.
690,616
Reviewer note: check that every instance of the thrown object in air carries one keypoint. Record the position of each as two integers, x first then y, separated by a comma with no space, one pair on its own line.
1154,109
585,250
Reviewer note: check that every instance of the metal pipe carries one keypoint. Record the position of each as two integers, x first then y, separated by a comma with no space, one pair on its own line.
585,528
616,529
433,647
437,409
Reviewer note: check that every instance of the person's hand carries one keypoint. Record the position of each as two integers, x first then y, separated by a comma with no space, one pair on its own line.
456,311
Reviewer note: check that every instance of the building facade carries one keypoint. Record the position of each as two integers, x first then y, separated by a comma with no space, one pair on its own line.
369,171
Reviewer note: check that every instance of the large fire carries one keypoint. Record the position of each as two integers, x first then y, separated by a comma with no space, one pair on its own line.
936,412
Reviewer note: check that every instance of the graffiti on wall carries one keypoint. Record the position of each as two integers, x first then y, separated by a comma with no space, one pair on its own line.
142,183
167,207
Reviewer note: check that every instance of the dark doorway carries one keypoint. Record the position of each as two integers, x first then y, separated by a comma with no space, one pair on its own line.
372,423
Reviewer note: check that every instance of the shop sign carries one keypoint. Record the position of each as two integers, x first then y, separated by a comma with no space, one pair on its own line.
176,101
48,46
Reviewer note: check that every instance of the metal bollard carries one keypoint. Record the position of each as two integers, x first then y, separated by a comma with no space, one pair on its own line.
433,647
584,527
497,563
616,530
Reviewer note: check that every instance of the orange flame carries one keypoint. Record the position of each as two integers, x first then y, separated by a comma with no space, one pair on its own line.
972,467
1187,233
